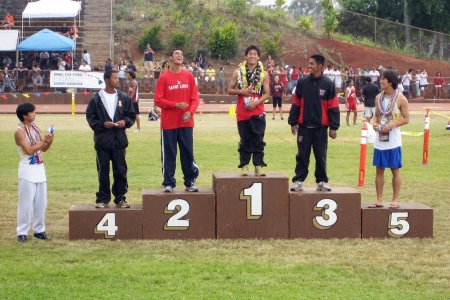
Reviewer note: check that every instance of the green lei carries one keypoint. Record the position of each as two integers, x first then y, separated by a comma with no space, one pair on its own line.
251,80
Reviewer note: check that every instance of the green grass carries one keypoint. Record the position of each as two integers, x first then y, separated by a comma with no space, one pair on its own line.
221,269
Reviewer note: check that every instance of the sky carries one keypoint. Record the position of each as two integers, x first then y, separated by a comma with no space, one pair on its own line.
272,2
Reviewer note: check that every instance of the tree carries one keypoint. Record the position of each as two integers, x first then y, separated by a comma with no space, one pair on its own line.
330,21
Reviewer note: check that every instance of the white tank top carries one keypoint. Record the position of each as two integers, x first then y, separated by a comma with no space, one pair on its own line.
395,137
32,172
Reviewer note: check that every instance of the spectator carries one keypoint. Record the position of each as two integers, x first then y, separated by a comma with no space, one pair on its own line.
61,64
7,75
73,32
133,92
200,61
64,30
284,79
108,65
131,66
157,72
269,62
36,77
221,81
423,83
210,74
148,60
350,102
368,94
43,56
375,75
21,76
406,80
277,89
87,57
294,78
8,22
194,72
99,68
7,60
337,79
68,57
84,67
154,113
329,73
417,83
122,68
438,84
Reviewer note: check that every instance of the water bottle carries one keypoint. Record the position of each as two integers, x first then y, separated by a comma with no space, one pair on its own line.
185,118
51,129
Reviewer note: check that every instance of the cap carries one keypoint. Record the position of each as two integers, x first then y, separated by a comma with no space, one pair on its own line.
110,59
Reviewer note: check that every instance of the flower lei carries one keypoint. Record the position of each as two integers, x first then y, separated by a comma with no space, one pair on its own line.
251,80
391,104
34,136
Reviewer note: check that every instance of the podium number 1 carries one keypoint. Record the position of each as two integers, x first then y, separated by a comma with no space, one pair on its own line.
107,226
397,224
253,196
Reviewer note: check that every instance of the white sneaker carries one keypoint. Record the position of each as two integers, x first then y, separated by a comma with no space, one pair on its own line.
323,186
297,186
137,130
168,189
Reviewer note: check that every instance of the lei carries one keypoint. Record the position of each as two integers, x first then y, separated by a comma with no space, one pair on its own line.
391,104
251,80
34,135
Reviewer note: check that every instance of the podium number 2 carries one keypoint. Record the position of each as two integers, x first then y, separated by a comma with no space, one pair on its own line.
398,226
328,217
175,222
107,226
253,196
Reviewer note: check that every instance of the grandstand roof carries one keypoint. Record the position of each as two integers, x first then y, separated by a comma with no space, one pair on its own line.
52,9
9,40
46,40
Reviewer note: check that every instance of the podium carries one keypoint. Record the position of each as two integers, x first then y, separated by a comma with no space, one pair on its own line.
251,207
325,214
410,220
179,214
90,223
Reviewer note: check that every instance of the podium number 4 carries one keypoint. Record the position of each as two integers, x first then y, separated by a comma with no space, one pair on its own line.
328,217
253,196
107,226
397,224
175,222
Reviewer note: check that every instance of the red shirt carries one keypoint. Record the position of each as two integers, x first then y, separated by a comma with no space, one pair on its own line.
171,89
351,98
295,73
439,81
243,114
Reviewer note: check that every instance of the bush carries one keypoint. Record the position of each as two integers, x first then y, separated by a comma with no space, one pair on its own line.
238,6
271,44
151,36
223,41
179,39
305,23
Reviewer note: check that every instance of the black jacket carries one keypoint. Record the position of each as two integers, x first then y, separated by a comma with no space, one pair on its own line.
96,115
315,103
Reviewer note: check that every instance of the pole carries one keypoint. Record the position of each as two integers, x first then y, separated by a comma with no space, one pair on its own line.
426,137
362,155
73,102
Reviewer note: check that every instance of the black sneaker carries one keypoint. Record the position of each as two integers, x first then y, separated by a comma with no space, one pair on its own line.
42,236
22,238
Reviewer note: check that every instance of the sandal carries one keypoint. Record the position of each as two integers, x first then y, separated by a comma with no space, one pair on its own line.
375,205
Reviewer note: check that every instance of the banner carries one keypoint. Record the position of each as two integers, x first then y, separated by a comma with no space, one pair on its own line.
77,79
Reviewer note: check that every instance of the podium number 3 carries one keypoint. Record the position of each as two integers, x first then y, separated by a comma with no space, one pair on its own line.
398,226
253,196
328,217
175,222
107,226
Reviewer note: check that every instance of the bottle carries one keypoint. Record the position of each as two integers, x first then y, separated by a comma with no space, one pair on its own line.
51,129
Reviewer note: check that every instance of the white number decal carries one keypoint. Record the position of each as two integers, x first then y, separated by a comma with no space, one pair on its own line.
397,224
107,226
328,217
253,196
174,223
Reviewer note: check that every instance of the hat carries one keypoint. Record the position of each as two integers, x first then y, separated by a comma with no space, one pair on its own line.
110,59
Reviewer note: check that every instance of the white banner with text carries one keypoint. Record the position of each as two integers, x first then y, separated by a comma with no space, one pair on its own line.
77,79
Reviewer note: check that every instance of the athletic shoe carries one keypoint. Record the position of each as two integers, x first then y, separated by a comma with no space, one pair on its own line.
191,188
259,171
22,238
42,236
245,170
297,186
355,125
123,203
137,130
101,205
323,186
168,189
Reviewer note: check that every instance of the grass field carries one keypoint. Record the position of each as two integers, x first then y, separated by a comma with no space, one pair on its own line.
221,269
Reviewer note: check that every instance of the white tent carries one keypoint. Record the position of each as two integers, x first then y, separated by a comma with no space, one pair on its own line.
9,40
52,9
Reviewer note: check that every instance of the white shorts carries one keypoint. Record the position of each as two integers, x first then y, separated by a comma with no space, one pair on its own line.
369,112
438,86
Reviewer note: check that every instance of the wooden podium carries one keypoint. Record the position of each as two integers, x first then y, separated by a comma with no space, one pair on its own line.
410,220
251,206
179,214
90,223
325,214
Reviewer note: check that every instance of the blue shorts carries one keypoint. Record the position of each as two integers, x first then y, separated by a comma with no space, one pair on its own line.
391,158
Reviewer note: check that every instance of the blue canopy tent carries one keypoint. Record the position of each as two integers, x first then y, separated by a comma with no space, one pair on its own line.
47,40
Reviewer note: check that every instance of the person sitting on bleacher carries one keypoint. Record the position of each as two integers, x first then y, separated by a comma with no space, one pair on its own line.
7,60
8,23
61,64
73,32
210,74
64,30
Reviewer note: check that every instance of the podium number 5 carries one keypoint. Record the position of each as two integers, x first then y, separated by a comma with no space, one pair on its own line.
253,196
398,226
328,217
175,222
107,226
